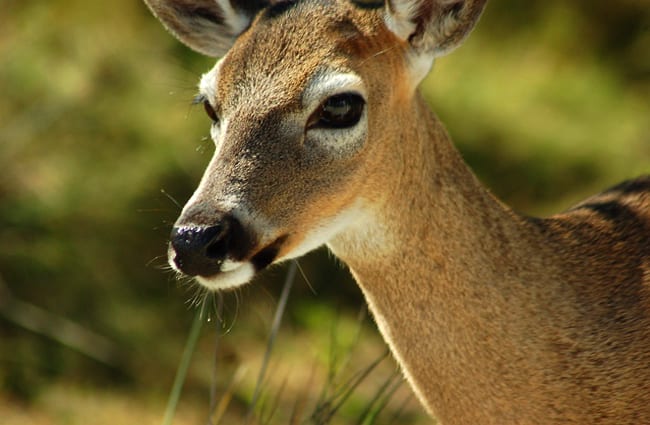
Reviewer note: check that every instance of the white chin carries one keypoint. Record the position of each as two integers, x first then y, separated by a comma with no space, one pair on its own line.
232,278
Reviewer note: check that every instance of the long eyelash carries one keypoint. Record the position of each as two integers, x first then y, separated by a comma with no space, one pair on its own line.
199,99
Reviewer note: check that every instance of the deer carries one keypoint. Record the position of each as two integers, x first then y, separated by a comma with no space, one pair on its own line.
322,138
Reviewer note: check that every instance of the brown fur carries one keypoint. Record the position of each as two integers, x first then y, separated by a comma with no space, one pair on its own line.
495,318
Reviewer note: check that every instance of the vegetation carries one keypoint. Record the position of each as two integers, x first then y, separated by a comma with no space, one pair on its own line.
548,101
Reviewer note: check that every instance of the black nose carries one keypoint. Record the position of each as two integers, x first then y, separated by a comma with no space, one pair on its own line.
200,250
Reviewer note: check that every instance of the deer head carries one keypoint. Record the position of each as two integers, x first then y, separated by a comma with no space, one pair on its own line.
309,104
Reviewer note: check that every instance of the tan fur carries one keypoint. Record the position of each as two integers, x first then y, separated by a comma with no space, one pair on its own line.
495,317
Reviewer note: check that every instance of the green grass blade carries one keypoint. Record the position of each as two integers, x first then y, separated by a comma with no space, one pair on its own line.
184,365
275,327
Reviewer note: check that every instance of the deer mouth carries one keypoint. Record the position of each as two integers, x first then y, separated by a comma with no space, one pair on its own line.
239,273
227,273
267,255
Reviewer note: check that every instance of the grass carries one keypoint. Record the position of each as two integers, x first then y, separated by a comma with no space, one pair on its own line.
328,400
341,376
75,404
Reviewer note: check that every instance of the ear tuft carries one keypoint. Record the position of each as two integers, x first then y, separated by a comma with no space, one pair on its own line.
433,26
206,26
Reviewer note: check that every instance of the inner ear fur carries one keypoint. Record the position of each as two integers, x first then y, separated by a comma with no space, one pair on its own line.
206,26
433,26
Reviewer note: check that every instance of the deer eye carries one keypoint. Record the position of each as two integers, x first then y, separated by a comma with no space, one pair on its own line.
339,111
210,111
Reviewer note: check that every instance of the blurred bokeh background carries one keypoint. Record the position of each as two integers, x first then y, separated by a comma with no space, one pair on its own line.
548,100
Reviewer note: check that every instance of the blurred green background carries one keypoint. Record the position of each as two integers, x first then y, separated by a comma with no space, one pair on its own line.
549,101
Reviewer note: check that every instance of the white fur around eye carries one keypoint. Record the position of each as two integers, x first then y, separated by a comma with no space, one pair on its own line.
208,82
334,141
215,131
339,142
208,89
327,83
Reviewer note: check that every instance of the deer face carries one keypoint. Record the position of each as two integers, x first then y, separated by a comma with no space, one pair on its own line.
303,117
291,130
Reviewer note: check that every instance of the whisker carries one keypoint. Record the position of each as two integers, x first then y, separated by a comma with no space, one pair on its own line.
238,296
163,266
171,198
381,52
197,299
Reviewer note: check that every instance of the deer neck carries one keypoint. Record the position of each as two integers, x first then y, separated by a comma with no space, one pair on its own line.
445,242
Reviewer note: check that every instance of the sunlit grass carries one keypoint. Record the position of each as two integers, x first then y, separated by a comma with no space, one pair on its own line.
65,404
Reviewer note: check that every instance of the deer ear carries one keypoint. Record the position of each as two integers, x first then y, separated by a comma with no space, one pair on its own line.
433,27
207,26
